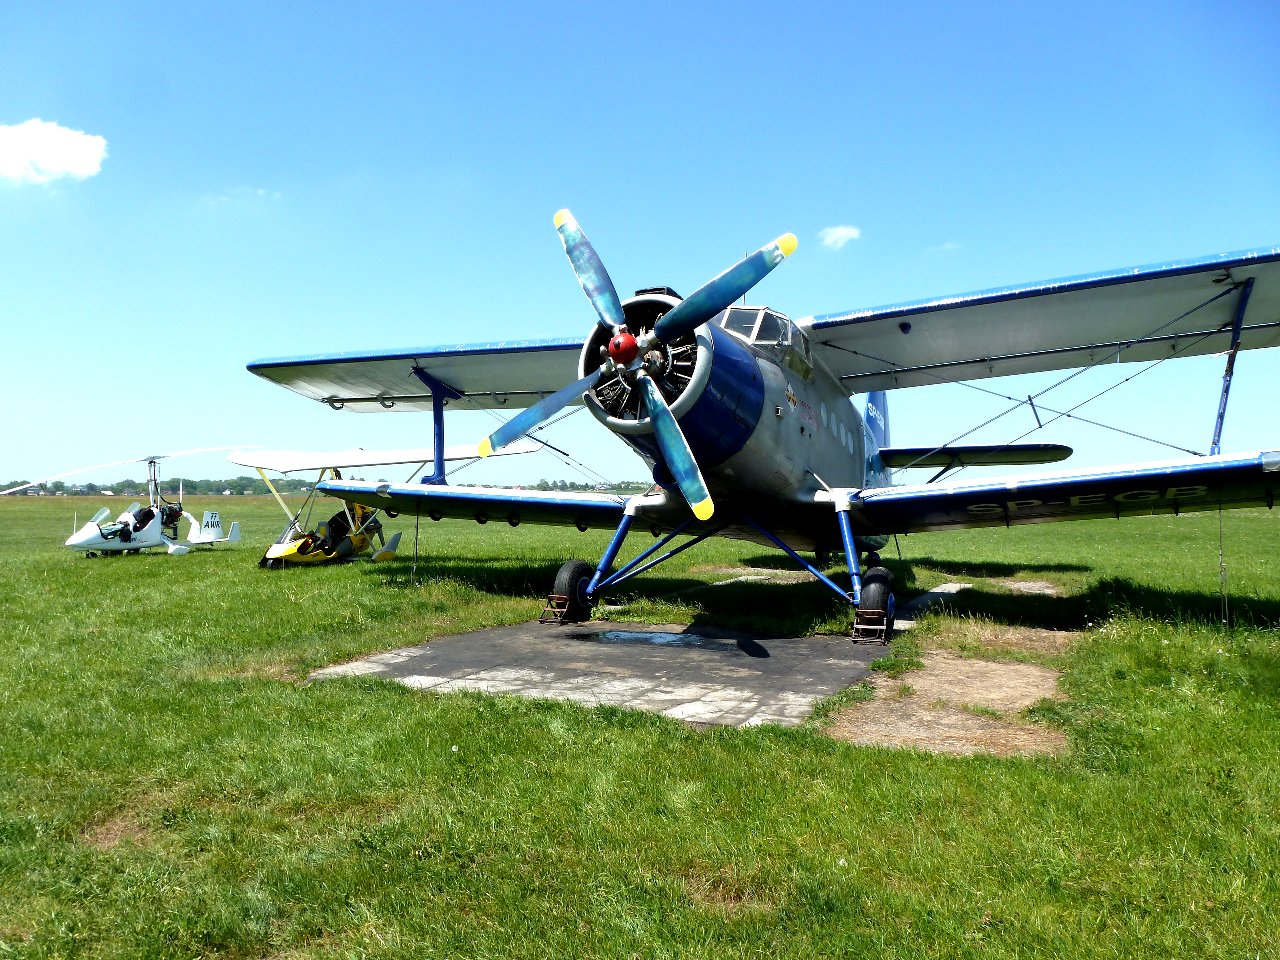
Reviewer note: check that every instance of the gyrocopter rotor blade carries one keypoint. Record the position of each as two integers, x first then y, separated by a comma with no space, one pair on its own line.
114,463
713,296
591,273
526,420
675,449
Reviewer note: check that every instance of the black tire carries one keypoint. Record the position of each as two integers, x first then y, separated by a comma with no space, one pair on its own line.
877,594
572,581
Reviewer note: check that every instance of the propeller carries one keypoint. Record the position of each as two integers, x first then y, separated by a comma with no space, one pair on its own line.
595,280
629,357
675,449
527,419
713,296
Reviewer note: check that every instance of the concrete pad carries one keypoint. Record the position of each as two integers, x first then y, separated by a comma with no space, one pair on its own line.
698,674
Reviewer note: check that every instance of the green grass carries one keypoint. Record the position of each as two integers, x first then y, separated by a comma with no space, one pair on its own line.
168,787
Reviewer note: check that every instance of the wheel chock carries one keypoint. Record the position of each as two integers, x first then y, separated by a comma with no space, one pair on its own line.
870,626
556,610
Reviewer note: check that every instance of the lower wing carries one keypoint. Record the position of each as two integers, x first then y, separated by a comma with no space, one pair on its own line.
482,504
1228,481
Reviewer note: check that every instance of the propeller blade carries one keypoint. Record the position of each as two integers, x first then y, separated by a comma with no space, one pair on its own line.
714,296
526,420
675,450
590,271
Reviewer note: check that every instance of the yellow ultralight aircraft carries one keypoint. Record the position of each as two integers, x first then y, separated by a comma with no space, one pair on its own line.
352,530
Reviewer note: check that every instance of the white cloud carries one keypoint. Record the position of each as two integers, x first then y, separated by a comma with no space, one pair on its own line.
240,196
836,237
38,151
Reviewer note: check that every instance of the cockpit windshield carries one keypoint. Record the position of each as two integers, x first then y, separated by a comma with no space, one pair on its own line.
757,325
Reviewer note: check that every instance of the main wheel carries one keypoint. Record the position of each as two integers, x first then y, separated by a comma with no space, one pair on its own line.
572,581
877,594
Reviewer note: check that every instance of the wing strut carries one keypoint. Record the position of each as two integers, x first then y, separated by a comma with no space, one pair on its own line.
1242,304
441,393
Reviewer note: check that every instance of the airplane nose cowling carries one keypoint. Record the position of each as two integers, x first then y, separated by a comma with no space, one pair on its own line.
709,378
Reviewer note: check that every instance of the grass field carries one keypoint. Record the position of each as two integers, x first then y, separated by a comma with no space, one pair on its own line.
169,787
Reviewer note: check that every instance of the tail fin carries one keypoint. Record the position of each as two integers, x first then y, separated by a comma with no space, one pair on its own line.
388,552
877,418
211,530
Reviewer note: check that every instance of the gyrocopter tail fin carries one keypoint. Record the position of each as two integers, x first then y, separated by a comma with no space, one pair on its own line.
387,552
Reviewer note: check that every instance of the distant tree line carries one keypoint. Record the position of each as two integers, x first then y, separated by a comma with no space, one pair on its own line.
253,486
624,486
238,486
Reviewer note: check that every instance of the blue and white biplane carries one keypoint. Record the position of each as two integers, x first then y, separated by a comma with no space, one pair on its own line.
744,415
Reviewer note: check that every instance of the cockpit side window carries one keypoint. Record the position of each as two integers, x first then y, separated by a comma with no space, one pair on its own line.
800,342
770,330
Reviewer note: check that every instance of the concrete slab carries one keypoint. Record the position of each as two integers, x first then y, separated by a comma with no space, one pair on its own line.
698,674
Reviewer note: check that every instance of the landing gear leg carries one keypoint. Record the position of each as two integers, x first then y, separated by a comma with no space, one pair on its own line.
872,593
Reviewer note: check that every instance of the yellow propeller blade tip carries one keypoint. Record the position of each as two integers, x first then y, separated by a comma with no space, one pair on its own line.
561,217
787,244
704,509
486,447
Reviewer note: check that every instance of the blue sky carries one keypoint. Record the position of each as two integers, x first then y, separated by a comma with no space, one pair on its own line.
284,179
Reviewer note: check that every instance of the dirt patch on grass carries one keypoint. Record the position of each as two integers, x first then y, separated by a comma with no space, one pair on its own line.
1042,588
724,892
756,573
956,705
122,827
993,638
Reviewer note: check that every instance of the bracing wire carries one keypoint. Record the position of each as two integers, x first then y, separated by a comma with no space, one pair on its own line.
582,469
1059,414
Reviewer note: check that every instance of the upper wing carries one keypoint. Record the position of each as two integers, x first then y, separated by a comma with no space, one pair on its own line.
1147,313
1203,483
487,375
437,501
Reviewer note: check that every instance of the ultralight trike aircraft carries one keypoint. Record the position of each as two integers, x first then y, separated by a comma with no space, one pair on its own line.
352,530
744,416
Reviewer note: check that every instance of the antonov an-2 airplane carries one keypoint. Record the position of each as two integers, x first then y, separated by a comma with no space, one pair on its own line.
744,416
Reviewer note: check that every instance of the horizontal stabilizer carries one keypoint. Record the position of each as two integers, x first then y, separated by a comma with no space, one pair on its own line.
1002,455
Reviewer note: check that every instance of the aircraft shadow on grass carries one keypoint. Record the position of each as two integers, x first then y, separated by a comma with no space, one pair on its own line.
996,568
1106,598
773,610
782,609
